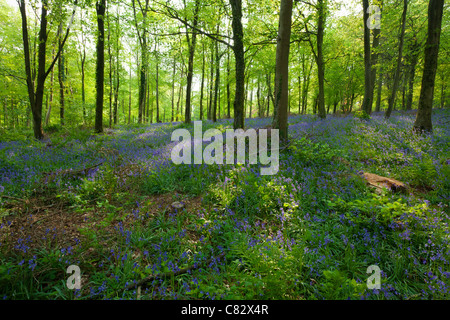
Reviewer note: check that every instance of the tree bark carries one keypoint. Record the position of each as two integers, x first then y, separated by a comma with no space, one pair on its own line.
173,88
282,70
238,48
228,86
380,87
190,72
320,62
413,58
368,92
100,67
61,77
391,100
423,118
157,93
217,82
202,86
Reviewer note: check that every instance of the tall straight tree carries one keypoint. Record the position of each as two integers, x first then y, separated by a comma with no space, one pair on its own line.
100,66
142,35
321,8
321,14
202,82
191,49
393,93
423,118
36,89
61,76
238,49
368,92
282,69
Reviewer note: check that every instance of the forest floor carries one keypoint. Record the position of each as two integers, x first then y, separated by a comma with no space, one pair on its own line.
105,204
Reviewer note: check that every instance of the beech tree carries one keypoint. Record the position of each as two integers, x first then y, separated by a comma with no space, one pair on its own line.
423,118
282,70
100,66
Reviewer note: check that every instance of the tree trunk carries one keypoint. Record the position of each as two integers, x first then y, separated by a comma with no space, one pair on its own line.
423,118
412,74
217,82
380,87
391,100
190,72
202,86
282,70
110,74
173,88
211,84
83,89
238,48
228,86
100,67
35,97
61,77
49,107
368,92
129,98
157,93
320,63
250,103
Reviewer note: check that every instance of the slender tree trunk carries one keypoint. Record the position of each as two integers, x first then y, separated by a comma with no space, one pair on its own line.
83,86
250,103
392,96
129,98
238,48
211,84
258,98
423,118
306,80
380,87
157,92
110,74
173,88
217,82
320,64
368,93
202,83
100,67
228,86
61,76
269,93
414,56
190,72
49,108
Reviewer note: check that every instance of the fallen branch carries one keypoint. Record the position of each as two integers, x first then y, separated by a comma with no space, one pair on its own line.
13,198
71,172
142,282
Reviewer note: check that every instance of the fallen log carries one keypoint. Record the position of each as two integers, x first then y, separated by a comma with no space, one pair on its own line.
380,182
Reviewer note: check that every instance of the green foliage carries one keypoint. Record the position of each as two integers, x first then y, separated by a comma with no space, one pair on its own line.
422,173
276,270
336,286
382,208
309,152
362,115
